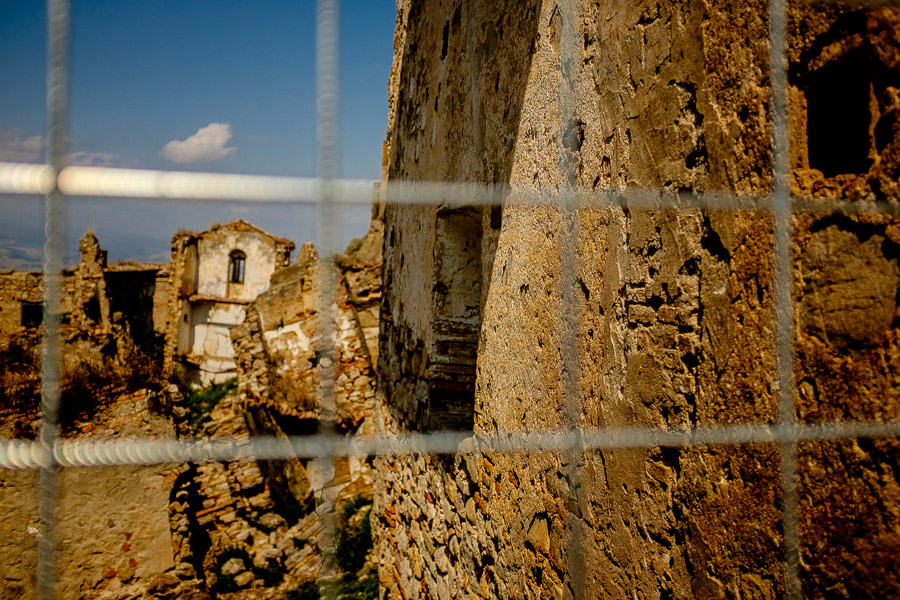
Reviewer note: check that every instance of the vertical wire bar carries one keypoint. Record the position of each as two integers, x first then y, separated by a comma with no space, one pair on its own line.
54,209
784,310
568,248
327,28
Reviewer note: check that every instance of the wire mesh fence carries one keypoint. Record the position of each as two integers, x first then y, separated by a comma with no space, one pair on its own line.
327,192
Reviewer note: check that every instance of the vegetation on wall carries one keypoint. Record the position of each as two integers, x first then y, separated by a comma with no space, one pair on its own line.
201,401
353,543
20,385
88,379
90,374
307,591
353,538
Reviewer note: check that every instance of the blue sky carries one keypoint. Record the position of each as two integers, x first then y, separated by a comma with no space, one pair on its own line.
223,86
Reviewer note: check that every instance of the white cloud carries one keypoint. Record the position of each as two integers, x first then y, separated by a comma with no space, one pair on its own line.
17,146
91,159
207,145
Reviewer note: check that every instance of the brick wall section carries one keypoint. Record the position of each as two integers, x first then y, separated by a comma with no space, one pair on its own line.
672,311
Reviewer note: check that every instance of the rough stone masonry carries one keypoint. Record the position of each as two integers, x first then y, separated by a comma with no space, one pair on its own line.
673,323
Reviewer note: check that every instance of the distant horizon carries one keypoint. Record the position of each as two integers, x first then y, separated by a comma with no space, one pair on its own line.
22,235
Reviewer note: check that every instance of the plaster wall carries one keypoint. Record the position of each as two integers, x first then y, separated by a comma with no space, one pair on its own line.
208,304
211,339
214,249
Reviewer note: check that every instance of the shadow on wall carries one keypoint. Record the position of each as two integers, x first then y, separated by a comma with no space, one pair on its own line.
477,71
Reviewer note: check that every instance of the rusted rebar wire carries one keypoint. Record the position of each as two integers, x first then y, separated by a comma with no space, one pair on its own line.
567,327
783,292
110,183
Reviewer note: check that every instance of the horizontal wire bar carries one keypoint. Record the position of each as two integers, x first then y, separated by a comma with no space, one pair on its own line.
21,178
26,454
18,178
102,182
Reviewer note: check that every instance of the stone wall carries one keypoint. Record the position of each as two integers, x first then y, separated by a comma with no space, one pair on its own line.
114,528
671,311
23,287
278,348
276,511
91,294
218,507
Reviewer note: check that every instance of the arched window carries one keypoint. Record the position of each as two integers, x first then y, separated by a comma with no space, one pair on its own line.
236,266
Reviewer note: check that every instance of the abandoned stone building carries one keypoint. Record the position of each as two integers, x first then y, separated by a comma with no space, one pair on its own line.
215,275
667,317
93,293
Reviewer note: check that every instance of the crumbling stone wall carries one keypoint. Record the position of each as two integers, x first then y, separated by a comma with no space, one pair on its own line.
106,326
18,288
671,311
218,507
91,294
91,299
277,347
274,511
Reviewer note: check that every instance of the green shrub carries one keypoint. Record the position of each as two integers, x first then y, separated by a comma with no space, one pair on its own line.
353,541
201,402
271,574
352,506
307,591
20,377
361,589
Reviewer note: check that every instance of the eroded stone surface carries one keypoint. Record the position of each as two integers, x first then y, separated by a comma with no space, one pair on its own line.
670,313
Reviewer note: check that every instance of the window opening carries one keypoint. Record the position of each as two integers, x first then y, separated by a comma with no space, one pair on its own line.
32,314
456,305
238,259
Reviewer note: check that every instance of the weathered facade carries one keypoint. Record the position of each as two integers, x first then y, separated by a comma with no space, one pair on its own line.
668,314
91,294
244,528
214,276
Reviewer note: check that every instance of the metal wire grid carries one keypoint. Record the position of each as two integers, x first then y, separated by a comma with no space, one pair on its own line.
56,181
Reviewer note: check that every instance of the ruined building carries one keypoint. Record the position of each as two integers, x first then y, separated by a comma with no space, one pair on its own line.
215,275
92,295
240,529
670,312
112,315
